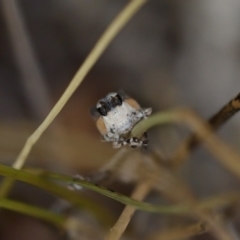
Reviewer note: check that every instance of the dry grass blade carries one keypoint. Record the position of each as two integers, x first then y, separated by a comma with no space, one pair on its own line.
139,194
216,121
32,76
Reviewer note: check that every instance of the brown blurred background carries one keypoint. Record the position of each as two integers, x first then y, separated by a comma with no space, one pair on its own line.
171,54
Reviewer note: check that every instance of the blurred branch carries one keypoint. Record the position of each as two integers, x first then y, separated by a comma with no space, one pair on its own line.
31,75
223,153
228,111
140,192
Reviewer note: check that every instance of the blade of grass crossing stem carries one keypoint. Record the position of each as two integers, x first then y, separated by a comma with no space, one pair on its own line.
46,181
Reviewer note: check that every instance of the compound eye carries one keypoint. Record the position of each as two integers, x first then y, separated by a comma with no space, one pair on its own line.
102,110
116,101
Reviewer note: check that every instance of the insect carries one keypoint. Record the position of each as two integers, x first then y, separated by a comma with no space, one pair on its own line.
116,115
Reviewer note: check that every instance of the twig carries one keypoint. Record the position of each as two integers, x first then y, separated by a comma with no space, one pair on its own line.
223,153
139,194
215,122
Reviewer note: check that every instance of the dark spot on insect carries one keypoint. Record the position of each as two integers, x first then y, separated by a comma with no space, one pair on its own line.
111,130
97,185
134,113
103,108
115,101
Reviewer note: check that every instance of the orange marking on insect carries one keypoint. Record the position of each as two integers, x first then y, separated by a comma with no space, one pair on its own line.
133,103
101,126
